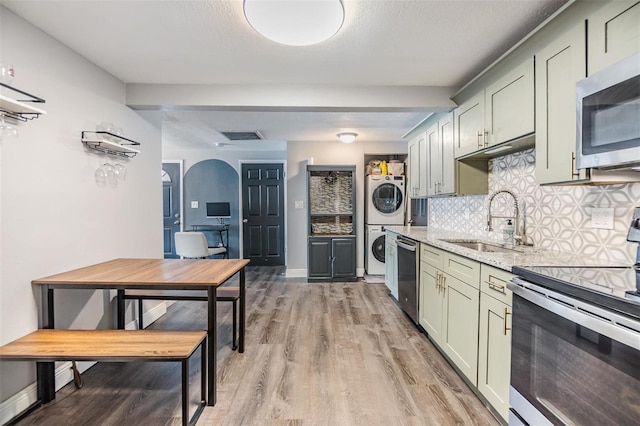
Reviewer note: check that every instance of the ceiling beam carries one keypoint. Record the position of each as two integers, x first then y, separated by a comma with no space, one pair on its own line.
290,98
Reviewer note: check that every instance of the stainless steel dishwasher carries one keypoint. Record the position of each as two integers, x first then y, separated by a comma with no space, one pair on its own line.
408,262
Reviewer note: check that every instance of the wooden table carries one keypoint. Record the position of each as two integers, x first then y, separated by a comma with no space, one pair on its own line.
156,274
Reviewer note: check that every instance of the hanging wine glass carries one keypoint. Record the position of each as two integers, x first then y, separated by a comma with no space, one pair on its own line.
110,173
7,72
100,177
121,171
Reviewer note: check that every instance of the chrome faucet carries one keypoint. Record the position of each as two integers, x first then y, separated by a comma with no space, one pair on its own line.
519,234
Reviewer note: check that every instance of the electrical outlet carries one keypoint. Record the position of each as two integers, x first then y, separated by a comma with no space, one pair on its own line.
602,218
194,204
299,204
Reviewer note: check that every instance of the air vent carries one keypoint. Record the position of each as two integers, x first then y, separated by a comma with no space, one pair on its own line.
243,136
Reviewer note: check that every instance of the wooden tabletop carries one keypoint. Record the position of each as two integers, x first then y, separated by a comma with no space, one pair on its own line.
144,273
106,345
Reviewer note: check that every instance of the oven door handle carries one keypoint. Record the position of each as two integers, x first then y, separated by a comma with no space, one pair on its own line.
617,327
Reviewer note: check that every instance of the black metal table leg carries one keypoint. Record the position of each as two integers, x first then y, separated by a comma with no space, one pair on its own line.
120,309
45,371
242,311
185,392
203,383
212,343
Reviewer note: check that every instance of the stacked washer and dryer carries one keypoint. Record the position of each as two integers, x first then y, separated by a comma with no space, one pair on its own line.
384,206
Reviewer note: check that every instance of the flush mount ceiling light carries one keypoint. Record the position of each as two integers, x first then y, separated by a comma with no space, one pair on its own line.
295,22
347,137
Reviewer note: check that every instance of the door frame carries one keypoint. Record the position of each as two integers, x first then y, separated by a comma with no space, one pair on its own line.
284,213
181,165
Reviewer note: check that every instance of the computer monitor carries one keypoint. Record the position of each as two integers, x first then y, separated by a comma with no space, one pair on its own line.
218,210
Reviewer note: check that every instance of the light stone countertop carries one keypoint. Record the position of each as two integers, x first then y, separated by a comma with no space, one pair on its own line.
520,256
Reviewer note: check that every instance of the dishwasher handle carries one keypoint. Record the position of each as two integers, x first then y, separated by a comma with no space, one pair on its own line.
406,245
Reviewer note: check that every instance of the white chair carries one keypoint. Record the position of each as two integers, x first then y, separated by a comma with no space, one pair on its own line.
193,245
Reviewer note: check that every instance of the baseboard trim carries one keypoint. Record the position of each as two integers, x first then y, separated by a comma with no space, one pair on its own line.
23,400
296,273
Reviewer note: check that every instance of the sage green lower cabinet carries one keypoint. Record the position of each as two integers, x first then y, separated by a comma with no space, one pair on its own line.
449,306
431,302
465,308
494,357
460,326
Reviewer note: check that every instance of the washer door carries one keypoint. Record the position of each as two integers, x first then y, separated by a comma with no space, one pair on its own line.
377,248
387,198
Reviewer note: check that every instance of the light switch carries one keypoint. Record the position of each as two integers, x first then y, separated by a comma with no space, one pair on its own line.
602,218
194,204
299,204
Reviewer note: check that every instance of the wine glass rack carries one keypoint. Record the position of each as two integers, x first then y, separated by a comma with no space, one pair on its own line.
109,143
20,109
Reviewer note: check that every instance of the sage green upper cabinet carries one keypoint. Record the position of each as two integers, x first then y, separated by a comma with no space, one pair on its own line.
448,179
469,126
417,151
509,106
441,161
434,159
614,34
503,111
559,66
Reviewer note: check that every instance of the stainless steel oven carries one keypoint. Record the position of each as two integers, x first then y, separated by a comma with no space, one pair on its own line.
575,344
608,107
571,362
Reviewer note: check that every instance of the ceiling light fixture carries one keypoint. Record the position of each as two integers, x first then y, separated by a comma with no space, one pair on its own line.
295,22
347,137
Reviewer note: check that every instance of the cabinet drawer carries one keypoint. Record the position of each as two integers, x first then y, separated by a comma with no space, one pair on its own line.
432,256
464,269
493,281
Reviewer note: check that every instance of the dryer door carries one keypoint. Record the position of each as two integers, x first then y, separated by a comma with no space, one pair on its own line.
387,198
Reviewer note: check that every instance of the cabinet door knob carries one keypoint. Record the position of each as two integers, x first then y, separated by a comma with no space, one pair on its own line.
245,220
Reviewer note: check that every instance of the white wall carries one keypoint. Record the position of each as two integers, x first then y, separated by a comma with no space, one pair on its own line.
53,217
298,154
173,151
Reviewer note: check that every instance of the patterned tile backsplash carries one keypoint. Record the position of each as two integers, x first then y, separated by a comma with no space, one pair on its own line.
555,217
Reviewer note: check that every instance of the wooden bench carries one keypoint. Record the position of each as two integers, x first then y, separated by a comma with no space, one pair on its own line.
49,345
223,294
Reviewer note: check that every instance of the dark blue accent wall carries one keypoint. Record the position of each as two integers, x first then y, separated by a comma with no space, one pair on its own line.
212,181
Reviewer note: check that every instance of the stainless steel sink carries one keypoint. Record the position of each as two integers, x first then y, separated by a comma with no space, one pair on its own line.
481,246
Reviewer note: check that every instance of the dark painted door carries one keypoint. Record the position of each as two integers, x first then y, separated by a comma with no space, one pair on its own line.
263,213
170,206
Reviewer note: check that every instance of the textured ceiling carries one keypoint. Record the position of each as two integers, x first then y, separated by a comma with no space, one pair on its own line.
382,43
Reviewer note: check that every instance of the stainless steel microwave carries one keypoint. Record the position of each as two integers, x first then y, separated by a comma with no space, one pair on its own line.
608,117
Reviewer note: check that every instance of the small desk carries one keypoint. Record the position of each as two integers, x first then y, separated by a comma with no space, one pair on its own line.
220,229
156,274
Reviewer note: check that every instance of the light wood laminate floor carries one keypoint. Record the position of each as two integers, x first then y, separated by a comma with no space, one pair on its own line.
316,354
